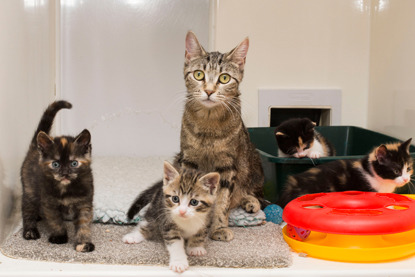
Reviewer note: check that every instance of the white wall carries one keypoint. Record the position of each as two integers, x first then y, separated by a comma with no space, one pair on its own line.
392,68
300,44
26,86
122,68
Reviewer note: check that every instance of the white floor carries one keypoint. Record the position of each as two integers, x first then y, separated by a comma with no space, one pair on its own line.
301,267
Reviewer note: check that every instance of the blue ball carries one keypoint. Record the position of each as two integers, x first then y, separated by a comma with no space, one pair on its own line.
273,213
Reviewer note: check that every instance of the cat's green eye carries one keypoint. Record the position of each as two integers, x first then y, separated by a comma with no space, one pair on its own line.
175,199
396,171
194,202
224,78
74,164
56,164
199,75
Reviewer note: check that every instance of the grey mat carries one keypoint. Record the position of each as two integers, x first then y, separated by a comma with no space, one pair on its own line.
253,247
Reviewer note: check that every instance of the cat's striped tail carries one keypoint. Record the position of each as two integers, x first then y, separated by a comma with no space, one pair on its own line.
144,199
48,116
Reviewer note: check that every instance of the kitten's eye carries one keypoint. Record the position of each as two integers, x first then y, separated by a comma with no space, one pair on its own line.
175,199
224,78
56,164
408,168
194,202
199,75
396,171
74,163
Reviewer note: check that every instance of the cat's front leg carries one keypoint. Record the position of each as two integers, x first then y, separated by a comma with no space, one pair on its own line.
250,204
30,214
55,222
175,246
82,222
220,220
196,244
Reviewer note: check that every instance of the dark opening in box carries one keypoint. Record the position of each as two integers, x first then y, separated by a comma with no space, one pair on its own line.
350,143
319,115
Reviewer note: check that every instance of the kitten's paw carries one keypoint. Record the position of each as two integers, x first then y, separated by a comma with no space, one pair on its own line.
133,237
224,234
85,247
61,239
179,266
252,205
314,155
196,251
31,234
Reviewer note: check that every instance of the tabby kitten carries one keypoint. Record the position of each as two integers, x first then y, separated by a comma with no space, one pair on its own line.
213,135
178,211
57,179
386,168
297,138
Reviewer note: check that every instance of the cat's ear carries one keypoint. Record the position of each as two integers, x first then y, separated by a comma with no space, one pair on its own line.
44,141
170,173
406,145
310,125
280,134
193,47
238,54
210,182
381,153
83,141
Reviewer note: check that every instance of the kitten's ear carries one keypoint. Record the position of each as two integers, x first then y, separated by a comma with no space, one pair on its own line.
210,182
280,134
381,152
83,140
238,54
44,141
405,145
193,47
310,125
170,173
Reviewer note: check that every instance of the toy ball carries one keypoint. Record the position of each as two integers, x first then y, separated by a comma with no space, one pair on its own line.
297,233
273,213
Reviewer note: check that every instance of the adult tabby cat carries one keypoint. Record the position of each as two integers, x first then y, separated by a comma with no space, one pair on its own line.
213,136
386,168
297,138
178,212
57,181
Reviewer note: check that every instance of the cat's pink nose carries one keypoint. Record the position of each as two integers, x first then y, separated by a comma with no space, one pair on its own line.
406,179
182,212
209,92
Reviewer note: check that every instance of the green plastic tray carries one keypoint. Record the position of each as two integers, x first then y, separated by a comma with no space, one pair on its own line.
350,143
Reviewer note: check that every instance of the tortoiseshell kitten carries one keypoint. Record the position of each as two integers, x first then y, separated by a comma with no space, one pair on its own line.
178,211
386,168
57,179
213,136
297,138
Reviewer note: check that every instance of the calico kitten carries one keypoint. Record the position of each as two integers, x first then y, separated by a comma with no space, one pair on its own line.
213,135
57,178
297,138
178,212
387,167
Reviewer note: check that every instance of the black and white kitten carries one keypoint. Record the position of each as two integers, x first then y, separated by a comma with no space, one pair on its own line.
57,180
177,211
386,168
297,138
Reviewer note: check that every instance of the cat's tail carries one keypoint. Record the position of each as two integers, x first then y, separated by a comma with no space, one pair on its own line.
48,116
144,199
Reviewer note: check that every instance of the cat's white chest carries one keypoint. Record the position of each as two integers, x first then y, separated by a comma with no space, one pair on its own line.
190,227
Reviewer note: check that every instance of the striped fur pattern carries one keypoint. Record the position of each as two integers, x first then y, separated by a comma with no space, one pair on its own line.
176,211
57,182
386,168
297,138
213,135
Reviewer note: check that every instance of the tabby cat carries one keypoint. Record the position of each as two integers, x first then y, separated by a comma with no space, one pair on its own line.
386,168
178,211
213,135
297,138
57,181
